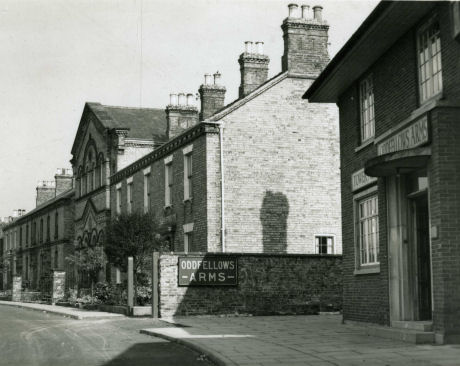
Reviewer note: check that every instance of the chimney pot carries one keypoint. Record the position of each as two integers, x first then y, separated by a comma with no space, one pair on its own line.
217,76
260,48
305,9
207,79
292,10
173,99
317,12
190,101
182,99
248,47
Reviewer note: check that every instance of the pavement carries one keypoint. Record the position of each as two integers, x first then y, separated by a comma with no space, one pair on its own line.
73,313
297,340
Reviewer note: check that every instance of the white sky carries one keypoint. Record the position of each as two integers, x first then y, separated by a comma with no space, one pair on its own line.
56,55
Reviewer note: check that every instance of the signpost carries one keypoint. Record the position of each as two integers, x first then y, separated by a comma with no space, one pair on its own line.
208,271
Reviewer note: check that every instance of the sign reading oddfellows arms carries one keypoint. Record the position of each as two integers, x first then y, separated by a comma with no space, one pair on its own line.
412,136
208,271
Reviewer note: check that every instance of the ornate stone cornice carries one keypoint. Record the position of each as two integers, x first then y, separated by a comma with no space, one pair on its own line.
165,149
253,58
181,108
298,23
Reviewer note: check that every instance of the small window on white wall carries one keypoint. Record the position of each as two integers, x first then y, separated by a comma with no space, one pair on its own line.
188,237
324,244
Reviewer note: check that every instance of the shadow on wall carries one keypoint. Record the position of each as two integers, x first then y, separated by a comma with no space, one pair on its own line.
273,216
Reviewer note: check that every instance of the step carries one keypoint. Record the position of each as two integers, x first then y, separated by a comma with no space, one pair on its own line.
399,334
423,326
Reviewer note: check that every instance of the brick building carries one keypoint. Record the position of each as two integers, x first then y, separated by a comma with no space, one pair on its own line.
397,85
38,241
260,174
108,139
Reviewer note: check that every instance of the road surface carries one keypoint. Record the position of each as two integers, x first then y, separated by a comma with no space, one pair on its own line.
34,338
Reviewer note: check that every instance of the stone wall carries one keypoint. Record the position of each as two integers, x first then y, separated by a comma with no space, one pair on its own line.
267,284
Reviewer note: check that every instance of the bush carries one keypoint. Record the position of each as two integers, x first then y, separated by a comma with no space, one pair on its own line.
110,294
144,295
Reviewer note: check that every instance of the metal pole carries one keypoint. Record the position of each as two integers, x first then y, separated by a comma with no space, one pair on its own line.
155,294
222,187
130,284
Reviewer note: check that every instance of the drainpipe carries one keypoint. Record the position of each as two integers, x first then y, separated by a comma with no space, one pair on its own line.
222,186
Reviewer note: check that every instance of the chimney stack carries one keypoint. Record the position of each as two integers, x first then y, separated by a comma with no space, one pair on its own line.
46,190
181,114
212,95
64,180
305,42
253,67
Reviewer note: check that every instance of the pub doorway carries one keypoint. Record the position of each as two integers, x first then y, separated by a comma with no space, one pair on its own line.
421,262
409,247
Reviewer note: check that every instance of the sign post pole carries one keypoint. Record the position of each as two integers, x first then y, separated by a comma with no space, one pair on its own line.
130,284
155,294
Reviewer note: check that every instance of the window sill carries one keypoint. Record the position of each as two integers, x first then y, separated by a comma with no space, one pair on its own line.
188,199
367,270
365,144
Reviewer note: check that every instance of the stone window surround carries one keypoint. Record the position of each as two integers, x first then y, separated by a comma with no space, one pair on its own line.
362,269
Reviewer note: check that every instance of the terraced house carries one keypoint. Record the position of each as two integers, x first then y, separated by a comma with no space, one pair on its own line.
397,85
37,242
260,174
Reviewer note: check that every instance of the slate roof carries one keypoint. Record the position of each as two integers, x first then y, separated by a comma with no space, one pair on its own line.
143,123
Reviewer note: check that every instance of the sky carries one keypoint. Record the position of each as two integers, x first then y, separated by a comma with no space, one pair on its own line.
57,55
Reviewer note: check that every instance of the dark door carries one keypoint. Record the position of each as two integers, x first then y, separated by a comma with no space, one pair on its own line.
423,258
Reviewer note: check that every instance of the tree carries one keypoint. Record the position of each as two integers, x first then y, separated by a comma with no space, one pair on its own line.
89,260
132,235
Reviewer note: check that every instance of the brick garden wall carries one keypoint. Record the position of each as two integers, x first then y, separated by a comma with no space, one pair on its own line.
267,284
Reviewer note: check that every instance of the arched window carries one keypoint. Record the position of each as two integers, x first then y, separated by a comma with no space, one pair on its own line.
102,169
80,181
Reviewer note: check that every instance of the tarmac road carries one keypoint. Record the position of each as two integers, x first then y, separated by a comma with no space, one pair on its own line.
34,338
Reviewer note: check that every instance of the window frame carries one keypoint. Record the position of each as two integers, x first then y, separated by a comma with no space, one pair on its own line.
147,177
327,236
129,195
188,172
188,237
118,199
363,113
169,180
422,29
373,267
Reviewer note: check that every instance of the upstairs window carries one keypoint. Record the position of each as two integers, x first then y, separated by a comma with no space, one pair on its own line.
129,195
188,237
20,236
168,181
27,234
188,171
429,60
56,225
118,199
48,228
366,97
41,231
146,190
